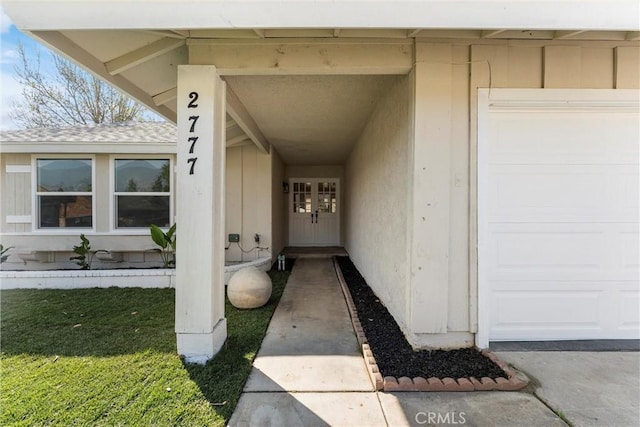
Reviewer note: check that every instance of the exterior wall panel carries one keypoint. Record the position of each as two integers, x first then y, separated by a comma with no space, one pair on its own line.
278,205
16,191
377,184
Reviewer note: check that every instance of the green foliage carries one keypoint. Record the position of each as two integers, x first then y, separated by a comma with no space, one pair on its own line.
167,243
3,255
161,183
132,186
83,253
108,357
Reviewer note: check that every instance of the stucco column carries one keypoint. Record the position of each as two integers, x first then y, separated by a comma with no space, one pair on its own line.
431,190
201,327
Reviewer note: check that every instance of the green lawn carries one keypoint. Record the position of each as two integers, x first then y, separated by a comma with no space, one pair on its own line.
108,357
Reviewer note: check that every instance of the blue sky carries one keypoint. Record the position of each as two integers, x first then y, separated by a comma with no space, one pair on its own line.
10,89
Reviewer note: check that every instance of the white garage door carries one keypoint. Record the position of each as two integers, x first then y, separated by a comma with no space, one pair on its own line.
559,215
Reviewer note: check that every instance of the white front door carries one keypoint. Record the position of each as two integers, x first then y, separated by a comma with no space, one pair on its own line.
314,212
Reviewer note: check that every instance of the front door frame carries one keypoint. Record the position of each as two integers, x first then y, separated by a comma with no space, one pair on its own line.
336,240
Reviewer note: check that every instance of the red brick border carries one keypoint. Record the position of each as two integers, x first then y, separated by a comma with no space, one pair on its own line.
513,380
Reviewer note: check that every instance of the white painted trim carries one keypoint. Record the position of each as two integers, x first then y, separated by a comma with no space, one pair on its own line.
236,109
482,334
18,219
35,213
88,147
527,100
424,14
78,279
18,169
143,54
112,190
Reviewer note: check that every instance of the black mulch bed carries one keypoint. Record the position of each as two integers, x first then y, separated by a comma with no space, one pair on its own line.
394,355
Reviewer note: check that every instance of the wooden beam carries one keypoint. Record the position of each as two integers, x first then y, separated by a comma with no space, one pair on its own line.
65,46
414,33
491,33
166,96
260,33
225,34
336,32
168,33
561,35
238,140
239,113
633,35
304,56
145,53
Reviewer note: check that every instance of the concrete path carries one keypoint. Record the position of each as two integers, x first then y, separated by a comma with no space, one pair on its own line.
588,388
309,372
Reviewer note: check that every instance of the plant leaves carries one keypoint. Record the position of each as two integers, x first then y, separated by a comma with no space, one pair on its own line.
158,236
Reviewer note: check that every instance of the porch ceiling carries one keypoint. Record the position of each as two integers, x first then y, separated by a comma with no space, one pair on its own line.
310,119
307,91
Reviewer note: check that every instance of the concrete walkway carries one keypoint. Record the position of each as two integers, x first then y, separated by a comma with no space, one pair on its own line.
309,372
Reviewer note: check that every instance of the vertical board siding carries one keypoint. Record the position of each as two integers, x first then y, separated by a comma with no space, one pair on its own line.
278,205
16,192
578,67
256,207
532,65
562,66
598,64
233,215
524,67
627,67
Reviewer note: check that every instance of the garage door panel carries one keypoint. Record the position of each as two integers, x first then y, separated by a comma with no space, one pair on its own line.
550,251
563,252
543,314
559,211
563,137
629,315
570,310
522,187
630,256
567,193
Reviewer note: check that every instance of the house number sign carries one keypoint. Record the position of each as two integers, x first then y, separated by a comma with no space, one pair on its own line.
193,135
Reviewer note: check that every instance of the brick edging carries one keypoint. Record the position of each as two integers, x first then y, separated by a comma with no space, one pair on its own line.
514,379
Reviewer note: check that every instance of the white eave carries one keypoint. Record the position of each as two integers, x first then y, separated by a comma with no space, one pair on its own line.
601,15
88,147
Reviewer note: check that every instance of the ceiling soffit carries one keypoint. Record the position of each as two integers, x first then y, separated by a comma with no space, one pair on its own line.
144,64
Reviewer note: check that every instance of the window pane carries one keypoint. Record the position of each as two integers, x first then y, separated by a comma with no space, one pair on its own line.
142,211
136,175
65,211
64,175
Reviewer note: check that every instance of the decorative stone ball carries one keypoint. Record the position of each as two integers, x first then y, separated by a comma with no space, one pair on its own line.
249,287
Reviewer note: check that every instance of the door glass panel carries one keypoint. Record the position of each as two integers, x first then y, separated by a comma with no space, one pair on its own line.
326,197
301,197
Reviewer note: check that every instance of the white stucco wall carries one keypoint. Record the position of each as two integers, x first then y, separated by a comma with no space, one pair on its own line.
376,186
